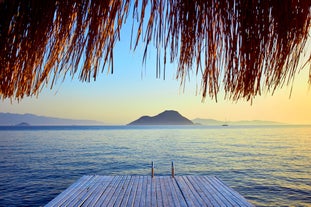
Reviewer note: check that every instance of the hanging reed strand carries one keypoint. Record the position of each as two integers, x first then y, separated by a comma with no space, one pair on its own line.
243,45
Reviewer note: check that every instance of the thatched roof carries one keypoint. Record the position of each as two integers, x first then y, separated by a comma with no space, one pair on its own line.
246,46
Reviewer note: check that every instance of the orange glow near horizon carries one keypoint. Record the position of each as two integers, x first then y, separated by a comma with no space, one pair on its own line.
111,103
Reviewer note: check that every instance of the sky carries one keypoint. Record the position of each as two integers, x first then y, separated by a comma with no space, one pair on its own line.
133,91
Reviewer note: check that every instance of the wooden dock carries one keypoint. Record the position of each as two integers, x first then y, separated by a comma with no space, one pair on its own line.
147,191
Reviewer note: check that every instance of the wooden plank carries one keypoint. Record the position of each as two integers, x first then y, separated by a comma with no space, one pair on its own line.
180,200
103,191
231,193
139,192
175,193
122,191
210,192
143,196
188,196
103,182
146,191
78,193
195,193
222,193
158,192
74,192
108,193
173,200
208,200
61,198
153,191
165,192
86,192
113,193
127,192
133,192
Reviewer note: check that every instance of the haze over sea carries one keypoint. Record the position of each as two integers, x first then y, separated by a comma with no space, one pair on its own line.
269,165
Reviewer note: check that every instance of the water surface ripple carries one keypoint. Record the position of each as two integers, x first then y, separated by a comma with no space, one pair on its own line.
269,165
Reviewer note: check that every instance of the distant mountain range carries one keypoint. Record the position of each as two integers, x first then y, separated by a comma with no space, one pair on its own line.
213,122
171,117
168,117
10,119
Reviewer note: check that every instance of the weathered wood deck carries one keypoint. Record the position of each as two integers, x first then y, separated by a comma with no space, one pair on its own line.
148,191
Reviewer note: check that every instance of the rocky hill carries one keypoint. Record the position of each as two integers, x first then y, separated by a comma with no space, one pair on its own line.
168,117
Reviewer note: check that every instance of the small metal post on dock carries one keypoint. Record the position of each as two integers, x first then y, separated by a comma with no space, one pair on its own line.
173,170
152,169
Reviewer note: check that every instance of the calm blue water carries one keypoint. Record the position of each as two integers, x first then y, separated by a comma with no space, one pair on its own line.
270,166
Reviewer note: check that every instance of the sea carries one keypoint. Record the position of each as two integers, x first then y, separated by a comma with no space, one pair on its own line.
268,165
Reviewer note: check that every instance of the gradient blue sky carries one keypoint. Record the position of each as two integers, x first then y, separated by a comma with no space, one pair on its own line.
133,90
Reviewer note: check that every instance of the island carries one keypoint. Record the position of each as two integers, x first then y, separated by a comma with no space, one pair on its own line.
23,124
168,117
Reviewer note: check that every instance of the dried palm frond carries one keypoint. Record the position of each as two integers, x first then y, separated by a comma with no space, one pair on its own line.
244,45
